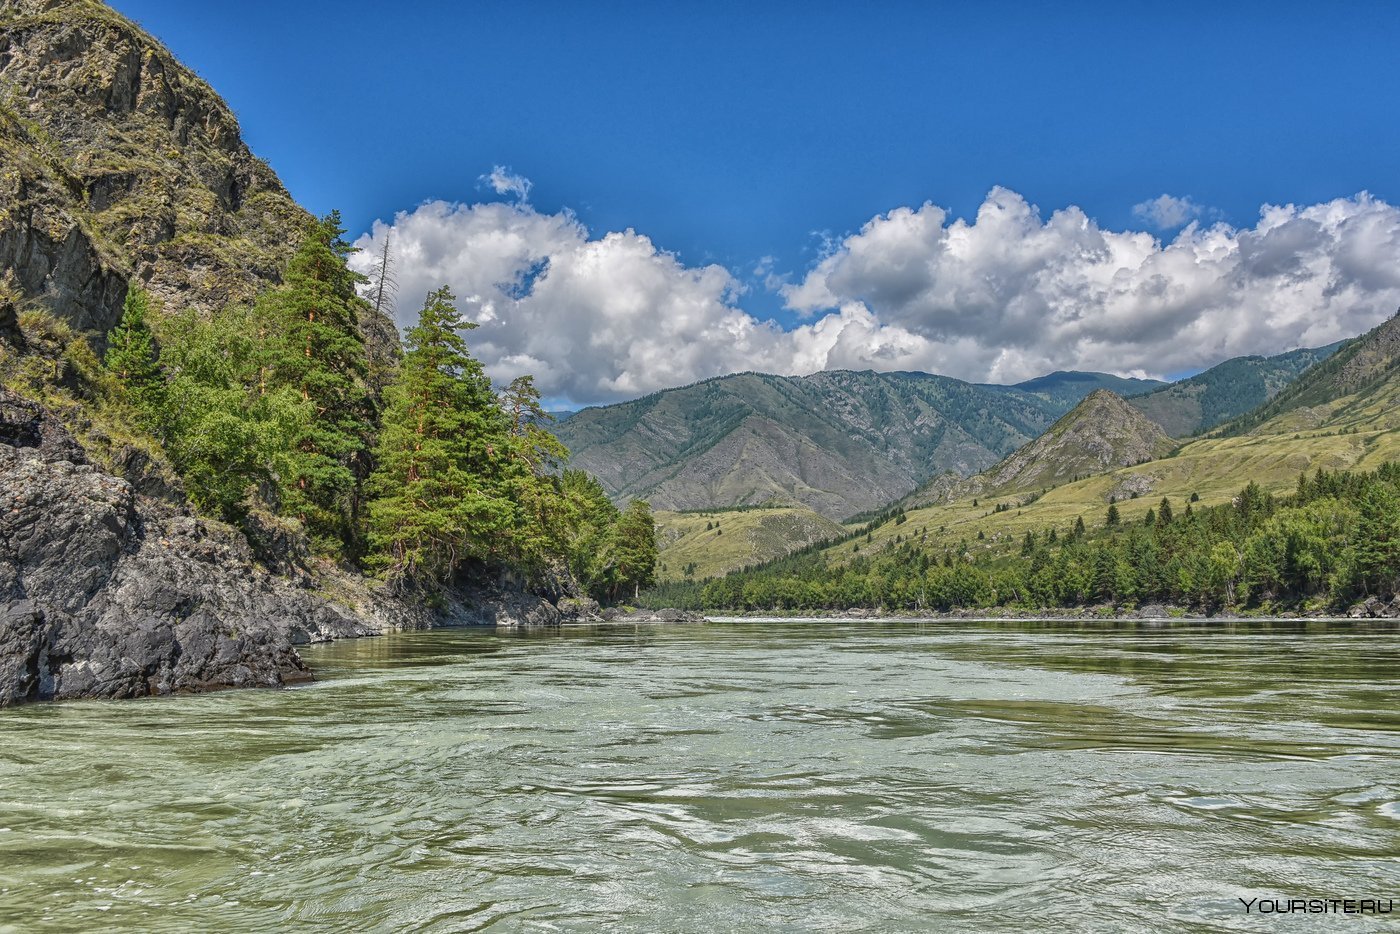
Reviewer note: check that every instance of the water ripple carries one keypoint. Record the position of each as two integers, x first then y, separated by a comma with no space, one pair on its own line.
793,777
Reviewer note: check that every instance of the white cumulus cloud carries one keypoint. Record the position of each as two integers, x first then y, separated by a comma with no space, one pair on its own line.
1166,212
594,319
1005,296
1012,294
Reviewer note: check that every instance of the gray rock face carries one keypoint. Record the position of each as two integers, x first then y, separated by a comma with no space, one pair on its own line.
579,609
25,424
105,594
1376,608
499,608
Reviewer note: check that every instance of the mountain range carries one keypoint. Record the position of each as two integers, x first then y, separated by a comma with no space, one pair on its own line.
839,442
846,443
1342,414
1199,403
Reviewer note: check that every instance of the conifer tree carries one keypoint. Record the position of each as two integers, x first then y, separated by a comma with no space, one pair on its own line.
1113,520
1375,550
383,284
532,456
634,544
312,342
131,360
436,492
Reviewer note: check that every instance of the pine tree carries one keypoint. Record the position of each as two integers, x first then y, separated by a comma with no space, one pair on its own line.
532,456
1113,520
634,548
312,342
383,284
1164,512
131,360
1375,551
436,492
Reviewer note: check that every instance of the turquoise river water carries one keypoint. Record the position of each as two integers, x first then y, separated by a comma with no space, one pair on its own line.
731,776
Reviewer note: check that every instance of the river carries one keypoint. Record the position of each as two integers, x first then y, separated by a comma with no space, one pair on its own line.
732,776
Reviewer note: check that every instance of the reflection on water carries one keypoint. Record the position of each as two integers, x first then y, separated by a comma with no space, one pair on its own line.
732,776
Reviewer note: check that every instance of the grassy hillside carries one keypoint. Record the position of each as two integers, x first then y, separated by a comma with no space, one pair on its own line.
1201,402
1211,470
1101,433
709,544
1343,414
1353,387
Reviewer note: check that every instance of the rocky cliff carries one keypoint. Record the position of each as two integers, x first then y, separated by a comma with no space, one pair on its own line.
121,165
106,593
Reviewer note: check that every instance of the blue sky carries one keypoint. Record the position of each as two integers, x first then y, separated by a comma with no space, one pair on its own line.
729,132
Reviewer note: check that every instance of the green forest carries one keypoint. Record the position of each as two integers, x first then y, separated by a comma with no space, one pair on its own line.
407,464
1332,541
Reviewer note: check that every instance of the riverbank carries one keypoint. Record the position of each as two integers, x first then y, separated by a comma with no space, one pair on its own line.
1371,609
114,590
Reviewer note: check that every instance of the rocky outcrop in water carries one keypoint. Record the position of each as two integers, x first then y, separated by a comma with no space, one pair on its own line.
109,593
666,615
105,593
503,609
1376,608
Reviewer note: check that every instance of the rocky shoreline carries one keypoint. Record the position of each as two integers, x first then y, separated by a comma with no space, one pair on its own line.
1371,609
109,593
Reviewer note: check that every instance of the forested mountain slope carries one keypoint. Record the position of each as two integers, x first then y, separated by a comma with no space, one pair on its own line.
1201,402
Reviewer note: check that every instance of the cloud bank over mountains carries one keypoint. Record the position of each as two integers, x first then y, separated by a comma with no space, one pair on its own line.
1006,296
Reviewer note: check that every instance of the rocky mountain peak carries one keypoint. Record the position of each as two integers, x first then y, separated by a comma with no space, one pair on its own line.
123,165
1103,432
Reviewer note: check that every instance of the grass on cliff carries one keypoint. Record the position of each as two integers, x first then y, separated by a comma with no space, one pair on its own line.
59,370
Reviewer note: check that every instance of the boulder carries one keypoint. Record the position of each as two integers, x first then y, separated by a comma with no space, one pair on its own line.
1376,608
28,425
579,609
491,606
